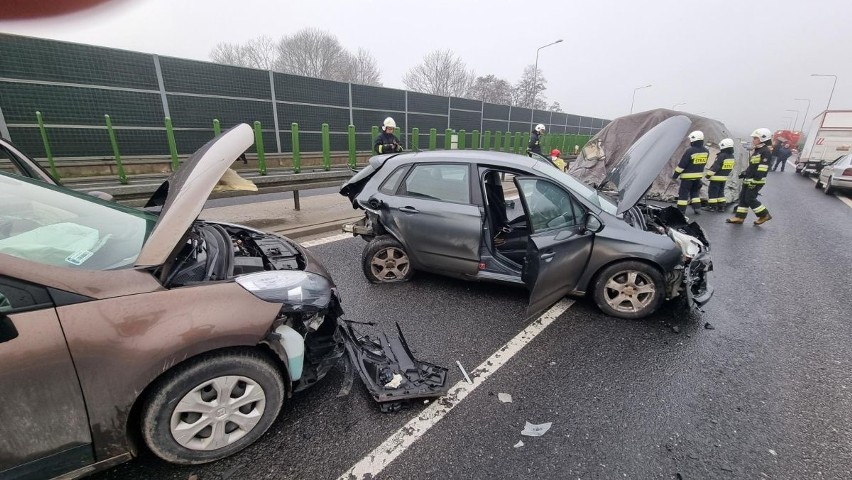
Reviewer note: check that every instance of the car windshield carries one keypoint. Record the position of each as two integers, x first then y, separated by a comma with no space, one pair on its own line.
57,226
579,188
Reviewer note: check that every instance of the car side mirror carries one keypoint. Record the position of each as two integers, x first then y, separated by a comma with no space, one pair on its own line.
592,223
7,329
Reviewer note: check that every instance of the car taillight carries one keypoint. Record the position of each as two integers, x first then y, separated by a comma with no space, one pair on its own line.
847,172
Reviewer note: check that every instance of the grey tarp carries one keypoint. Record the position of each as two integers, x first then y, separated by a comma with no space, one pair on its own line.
604,150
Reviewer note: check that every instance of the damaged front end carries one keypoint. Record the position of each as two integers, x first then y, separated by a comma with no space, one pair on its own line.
691,276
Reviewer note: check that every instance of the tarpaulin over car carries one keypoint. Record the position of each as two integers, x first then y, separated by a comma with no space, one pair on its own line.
603,151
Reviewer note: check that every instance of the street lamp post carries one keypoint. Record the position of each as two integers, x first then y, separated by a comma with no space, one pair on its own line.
677,105
535,80
832,86
805,118
634,96
789,119
796,121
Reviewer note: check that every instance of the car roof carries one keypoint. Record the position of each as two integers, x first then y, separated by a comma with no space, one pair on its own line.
498,159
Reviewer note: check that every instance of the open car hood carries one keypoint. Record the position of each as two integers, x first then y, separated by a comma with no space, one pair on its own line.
183,194
644,160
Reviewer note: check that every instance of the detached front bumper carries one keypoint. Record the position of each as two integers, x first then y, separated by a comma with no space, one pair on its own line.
696,280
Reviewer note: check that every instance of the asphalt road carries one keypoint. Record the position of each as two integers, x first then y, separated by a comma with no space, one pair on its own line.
767,393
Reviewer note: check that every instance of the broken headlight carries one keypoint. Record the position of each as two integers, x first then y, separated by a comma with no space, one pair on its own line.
297,290
689,245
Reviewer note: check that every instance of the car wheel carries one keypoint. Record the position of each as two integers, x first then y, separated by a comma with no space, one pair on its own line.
213,407
385,260
629,290
827,188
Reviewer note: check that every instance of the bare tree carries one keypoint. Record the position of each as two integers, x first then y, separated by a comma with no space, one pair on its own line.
256,53
363,69
440,73
313,53
492,90
555,107
523,92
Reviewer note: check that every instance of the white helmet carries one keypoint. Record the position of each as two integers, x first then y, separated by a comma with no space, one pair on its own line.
726,143
696,136
389,123
763,134
539,128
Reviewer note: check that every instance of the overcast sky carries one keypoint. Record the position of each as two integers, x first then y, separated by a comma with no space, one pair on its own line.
741,62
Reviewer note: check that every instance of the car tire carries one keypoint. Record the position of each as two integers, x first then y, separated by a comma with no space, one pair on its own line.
827,188
384,260
198,388
617,287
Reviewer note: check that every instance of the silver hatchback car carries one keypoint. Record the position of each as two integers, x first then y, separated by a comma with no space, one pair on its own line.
492,216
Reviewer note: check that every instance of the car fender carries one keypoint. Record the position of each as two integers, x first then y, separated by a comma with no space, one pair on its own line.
608,251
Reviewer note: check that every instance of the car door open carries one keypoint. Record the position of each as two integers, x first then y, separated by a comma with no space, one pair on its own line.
559,244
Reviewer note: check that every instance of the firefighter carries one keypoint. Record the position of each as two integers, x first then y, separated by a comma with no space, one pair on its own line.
554,157
690,169
718,176
387,142
535,140
754,179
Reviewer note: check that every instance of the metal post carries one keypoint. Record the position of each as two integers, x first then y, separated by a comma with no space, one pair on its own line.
448,139
806,111
47,151
217,128
461,141
474,140
415,139
326,148
526,140
4,129
507,147
498,138
374,133
406,119
122,177
297,154
351,121
486,140
275,112
535,79
258,143
517,142
164,99
433,139
296,202
170,136
353,156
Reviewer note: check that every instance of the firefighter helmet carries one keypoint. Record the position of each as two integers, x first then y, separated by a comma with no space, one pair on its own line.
389,123
539,128
696,136
762,134
726,143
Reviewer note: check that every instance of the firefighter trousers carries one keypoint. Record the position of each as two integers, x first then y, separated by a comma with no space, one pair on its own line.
689,194
748,199
716,193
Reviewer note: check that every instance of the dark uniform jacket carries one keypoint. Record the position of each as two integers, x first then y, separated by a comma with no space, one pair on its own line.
386,143
722,166
535,143
692,163
758,165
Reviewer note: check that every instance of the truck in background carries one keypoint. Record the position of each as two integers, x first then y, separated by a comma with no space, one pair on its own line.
829,137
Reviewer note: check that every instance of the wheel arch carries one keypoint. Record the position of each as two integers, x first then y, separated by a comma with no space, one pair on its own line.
593,278
134,419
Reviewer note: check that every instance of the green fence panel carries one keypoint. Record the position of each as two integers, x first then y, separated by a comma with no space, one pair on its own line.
461,141
43,132
258,143
518,139
415,139
486,140
326,148
474,140
217,128
448,139
433,139
122,177
353,155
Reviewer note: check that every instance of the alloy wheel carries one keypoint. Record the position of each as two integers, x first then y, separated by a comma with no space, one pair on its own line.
629,291
390,264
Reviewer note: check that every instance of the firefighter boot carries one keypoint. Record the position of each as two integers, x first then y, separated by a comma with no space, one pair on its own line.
735,220
763,219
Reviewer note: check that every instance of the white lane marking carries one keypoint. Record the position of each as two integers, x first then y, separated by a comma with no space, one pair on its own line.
324,240
393,446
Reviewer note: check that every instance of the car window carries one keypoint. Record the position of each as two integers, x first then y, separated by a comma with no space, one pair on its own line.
549,206
445,182
56,226
391,184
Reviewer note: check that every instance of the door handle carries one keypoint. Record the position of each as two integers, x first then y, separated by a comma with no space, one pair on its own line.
547,256
408,210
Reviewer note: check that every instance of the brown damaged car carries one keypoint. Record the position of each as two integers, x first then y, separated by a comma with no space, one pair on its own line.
121,326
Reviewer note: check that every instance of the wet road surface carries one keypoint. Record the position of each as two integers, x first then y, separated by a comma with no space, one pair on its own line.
767,393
